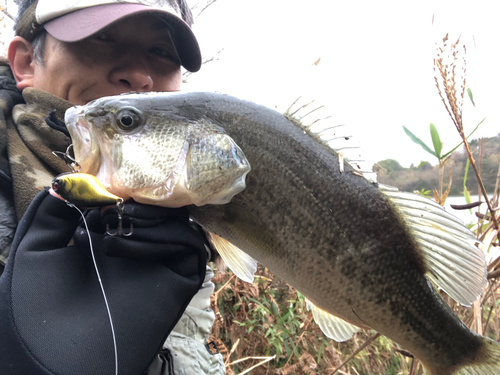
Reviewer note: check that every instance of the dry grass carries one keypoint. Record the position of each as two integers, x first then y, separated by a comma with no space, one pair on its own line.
305,350
450,77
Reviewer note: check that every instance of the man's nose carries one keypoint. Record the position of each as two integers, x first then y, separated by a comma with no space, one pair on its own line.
132,74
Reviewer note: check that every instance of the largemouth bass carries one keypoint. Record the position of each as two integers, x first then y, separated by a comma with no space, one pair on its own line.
360,252
142,170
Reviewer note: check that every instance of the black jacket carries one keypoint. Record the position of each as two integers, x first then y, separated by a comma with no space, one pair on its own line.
53,317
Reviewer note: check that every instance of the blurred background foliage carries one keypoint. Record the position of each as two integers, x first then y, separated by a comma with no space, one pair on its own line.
269,318
425,176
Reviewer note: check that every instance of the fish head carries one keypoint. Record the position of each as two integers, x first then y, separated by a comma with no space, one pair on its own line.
141,149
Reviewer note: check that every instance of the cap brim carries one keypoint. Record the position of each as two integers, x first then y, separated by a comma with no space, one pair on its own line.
83,23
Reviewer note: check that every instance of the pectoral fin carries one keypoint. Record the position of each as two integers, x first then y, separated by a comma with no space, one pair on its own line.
335,328
454,263
242,264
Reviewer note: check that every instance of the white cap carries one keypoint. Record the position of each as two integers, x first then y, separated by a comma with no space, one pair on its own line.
74,20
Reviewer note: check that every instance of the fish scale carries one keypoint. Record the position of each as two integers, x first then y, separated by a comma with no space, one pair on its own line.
147,157
335,236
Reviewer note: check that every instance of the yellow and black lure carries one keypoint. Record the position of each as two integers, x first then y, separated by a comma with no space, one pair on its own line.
84,190
81,189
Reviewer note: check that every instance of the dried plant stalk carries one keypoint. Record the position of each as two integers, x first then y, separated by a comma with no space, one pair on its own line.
480,157
495,195
365,344
447,71
449,61
478,321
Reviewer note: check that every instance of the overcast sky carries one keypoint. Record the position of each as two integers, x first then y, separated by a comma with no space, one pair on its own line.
376,69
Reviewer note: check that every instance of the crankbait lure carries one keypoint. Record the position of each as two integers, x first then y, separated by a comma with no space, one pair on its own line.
83,190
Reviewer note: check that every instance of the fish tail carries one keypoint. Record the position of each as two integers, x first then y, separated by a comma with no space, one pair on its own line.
485,362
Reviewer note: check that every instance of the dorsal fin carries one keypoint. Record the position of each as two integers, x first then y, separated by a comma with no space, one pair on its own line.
332,326
336,138
242,264
455,264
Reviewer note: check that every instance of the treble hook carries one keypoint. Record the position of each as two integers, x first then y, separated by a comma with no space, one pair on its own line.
70,161
119,229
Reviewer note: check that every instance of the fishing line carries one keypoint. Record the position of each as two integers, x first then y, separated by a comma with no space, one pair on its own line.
100,283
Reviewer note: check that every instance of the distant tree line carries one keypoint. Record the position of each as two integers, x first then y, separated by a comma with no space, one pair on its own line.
425,176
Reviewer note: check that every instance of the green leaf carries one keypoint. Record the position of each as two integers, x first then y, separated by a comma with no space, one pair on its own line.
320,351
467,196
417,140
274,308
261,305
466,172
296,352
279,350
457,146
469,92
424,193
436,140
288,349
283,319
472,132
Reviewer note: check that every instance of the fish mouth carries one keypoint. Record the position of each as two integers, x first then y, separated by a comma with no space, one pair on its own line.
85,148
72,115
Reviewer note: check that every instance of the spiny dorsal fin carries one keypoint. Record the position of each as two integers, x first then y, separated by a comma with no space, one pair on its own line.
333,327
242,264
455,264
336,138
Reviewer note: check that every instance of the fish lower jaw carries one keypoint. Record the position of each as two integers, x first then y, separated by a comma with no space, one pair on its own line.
180,195
159,196
174,201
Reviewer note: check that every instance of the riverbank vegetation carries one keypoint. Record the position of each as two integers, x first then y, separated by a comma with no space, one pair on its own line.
425,177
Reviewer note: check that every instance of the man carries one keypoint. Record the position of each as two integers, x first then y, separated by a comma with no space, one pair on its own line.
52,314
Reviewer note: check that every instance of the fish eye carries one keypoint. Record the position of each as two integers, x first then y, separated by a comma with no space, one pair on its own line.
55,185
128,120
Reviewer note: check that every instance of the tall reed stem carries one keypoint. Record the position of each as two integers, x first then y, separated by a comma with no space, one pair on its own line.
446,81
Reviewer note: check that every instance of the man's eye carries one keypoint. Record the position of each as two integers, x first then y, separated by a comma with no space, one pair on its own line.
164,53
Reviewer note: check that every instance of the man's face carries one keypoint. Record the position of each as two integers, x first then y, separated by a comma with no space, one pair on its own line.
125,57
